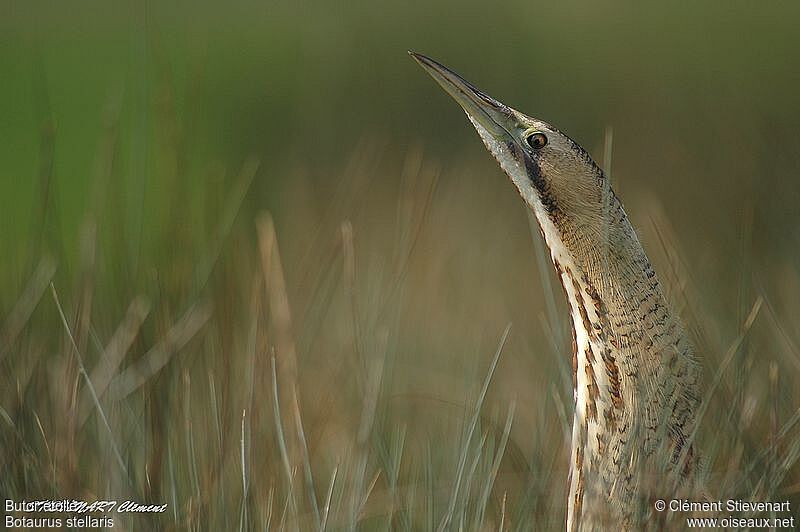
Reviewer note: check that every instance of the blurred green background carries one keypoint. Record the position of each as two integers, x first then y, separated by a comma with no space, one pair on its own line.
141,140
702,98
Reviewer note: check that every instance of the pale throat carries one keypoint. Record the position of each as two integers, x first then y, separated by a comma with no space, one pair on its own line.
592,384
596,406
624,337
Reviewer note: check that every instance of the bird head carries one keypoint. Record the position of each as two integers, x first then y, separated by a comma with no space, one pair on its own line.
555,176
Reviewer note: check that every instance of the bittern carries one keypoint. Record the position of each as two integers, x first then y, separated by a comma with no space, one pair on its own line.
635,375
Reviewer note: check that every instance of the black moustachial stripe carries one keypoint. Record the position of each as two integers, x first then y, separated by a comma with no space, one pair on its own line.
540,184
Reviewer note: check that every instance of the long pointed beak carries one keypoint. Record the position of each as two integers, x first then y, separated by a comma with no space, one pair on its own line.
494,116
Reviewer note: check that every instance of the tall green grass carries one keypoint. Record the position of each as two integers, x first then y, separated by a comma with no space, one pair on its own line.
297,295
376,358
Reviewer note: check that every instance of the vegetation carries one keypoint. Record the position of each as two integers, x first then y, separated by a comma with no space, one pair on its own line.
258,269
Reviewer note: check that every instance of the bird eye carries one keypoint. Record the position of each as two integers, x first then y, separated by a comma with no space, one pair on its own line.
537,140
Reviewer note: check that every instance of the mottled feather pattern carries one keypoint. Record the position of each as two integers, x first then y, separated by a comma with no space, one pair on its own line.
636,379
636,376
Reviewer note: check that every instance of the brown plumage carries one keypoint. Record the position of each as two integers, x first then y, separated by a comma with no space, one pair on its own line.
635,374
